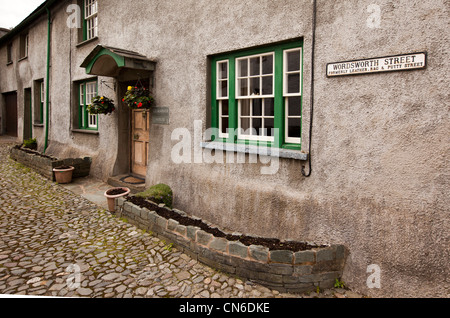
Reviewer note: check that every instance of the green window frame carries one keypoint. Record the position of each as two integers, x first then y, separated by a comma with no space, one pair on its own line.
41,102
256,90
86,91
90,19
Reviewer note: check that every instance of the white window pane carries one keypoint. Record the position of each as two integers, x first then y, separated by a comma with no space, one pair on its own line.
223,70
224,108
245,107
243,68
267,64
257,107
245,125
293,61
294,127
255,66
269,107
294,106
267,85
256,126
224,125
243,87
268,127
293,83
223,89
254,86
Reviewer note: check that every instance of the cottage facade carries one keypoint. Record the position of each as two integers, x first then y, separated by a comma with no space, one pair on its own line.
301,148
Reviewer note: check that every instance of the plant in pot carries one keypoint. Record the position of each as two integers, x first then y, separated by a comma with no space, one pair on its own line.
63,174
112,194
101,105
138,97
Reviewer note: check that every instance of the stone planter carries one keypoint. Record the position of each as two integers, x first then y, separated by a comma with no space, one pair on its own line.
63,174
112,194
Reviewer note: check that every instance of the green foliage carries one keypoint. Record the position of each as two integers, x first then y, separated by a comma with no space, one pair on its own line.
168,247
339,284
30,143
138,98
159,193
101,105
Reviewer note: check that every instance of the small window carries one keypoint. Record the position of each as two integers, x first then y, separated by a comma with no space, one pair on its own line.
90,19
39,99
9,58
87,91
24,45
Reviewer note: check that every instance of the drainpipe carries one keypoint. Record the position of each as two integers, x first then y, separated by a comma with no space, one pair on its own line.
312,88
48,79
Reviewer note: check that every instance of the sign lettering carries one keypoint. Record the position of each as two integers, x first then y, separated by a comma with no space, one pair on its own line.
376,65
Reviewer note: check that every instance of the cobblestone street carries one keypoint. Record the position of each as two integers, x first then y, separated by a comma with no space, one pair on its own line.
56,243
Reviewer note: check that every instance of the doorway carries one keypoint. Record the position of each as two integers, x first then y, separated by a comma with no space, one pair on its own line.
140,135
27,120
137,135
11,114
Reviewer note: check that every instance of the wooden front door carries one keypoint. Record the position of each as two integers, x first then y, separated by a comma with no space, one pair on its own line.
11,114
140,125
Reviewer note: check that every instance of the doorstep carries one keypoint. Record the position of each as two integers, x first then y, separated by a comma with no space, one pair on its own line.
134,183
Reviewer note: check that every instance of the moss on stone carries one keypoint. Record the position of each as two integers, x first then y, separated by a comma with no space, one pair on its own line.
159,193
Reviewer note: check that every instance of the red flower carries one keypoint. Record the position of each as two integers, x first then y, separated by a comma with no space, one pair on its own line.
140,105
123,99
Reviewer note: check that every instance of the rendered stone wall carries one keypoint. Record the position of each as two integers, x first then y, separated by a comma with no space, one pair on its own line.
283,270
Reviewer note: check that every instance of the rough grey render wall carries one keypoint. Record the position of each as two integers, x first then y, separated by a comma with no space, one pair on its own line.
379,149
380,180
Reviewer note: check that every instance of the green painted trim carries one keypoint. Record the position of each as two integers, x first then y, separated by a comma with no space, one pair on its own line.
84,26
83,114
120,60
41,104
47,95
279,120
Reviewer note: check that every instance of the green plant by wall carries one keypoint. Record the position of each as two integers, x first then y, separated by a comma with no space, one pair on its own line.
339,284
30,143
159,193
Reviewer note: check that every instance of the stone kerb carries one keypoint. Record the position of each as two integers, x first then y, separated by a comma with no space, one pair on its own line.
282,270
44,164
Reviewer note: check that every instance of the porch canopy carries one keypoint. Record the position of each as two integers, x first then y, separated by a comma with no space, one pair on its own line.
114,62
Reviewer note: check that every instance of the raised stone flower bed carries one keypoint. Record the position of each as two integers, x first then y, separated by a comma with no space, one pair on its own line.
286,270
44,164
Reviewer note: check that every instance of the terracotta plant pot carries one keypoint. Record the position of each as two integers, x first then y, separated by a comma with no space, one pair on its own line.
112,194
63,174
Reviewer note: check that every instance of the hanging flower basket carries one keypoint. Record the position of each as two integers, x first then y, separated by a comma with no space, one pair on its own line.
101,105
138,98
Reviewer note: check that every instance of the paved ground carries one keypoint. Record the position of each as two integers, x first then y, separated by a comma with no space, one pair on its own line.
56,242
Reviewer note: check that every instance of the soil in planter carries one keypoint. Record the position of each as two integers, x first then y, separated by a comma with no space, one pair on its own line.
63,167
34,152
271,243
115,191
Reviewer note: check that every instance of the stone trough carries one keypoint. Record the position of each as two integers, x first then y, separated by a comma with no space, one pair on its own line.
282,270
44,164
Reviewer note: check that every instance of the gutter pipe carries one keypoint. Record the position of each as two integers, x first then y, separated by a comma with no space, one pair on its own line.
313,44
48,78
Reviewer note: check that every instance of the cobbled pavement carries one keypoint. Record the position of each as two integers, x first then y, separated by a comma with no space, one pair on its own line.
56,243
